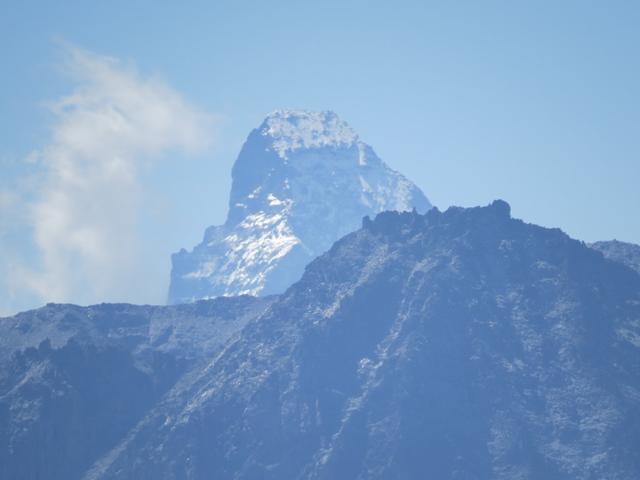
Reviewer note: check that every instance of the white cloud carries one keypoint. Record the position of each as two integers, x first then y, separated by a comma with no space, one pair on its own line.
86,215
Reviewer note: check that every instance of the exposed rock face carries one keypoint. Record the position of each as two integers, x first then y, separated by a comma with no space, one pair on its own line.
622,252
463,345
302,181
74,381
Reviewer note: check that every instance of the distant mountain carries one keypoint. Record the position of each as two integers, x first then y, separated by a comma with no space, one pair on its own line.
302,181
622,252
458,345
75,381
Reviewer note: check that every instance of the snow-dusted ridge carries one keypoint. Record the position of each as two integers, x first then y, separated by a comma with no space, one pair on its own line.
301,181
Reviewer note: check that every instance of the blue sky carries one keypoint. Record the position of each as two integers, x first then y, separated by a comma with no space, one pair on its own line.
533,102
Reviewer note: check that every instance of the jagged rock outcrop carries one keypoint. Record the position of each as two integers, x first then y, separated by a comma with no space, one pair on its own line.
301,181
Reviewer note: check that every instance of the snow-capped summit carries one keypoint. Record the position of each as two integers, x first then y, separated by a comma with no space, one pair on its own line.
301,181
292,130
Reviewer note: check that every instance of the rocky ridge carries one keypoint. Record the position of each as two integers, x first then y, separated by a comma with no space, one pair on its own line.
463,344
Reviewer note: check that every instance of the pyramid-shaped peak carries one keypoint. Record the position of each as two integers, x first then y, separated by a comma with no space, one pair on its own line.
302,180
292,130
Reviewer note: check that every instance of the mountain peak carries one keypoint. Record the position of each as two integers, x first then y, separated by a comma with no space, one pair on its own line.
292,130
301,181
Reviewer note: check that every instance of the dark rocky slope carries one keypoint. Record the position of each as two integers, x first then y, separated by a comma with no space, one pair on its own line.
74,380
463,345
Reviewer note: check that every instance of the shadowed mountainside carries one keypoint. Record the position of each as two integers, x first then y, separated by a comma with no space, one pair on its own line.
74,380
463,344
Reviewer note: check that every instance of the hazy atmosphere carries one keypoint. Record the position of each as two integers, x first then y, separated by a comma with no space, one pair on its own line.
121,120
319,240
